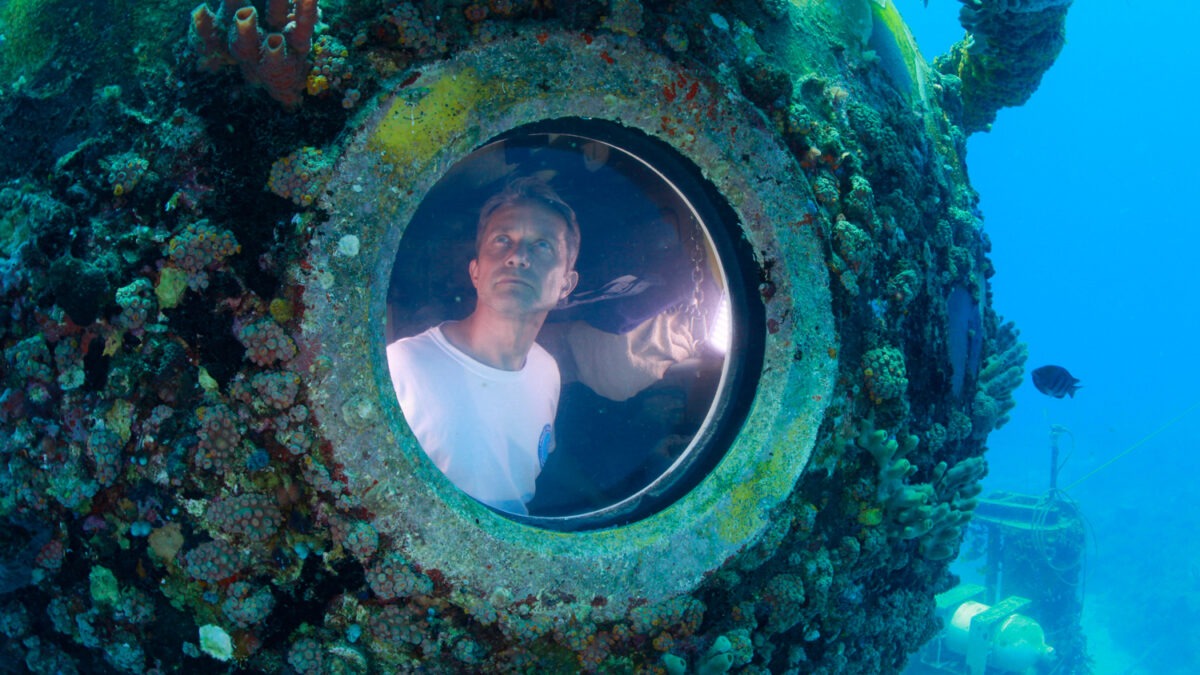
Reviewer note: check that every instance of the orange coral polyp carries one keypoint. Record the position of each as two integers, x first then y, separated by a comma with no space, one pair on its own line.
317,85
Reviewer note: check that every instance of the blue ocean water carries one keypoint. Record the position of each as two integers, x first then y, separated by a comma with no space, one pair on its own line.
1086,193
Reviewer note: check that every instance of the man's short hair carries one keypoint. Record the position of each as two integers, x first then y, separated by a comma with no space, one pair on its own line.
532,190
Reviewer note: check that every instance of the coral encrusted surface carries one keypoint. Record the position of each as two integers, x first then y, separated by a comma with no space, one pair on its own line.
167,502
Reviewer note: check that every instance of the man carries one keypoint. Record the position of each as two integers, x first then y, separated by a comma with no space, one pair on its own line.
480,394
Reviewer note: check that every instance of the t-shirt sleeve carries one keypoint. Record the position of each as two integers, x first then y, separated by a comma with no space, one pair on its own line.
399,362
408,363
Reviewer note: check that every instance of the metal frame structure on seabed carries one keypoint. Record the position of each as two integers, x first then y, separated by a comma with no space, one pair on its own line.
1033,546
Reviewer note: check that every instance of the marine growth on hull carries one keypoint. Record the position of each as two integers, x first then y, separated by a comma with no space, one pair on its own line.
769,381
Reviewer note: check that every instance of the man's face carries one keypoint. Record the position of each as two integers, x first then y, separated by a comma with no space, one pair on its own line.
521,265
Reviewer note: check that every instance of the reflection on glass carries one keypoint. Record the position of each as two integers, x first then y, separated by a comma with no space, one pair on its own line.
626,323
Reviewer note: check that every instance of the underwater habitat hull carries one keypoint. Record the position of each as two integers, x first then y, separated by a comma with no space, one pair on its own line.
206,467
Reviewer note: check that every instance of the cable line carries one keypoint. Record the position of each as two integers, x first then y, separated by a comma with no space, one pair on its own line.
1135,446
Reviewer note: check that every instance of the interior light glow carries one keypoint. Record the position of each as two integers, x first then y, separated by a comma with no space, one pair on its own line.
721,333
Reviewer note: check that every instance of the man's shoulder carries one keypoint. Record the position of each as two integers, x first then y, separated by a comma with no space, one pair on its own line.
417,347
541,363
539,355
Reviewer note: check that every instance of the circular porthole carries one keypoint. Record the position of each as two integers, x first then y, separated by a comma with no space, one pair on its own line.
678,189
658,345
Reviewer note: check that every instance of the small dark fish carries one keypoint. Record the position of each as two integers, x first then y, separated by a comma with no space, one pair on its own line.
1055,381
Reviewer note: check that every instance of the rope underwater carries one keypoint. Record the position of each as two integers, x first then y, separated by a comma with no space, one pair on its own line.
1135,446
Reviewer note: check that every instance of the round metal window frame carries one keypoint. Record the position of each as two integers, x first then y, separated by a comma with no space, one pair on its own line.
429,121
727,410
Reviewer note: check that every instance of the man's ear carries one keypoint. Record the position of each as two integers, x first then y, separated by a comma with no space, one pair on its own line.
473,271
569,282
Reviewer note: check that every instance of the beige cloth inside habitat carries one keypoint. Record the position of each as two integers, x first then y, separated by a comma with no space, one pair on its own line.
619,366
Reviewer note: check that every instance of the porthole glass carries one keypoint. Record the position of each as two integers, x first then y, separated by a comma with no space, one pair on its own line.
574,329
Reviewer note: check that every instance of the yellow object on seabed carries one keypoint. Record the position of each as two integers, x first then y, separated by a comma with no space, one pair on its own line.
986,637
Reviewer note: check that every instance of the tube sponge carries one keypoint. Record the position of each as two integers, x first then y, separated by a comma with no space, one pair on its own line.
278,60
300,31
247,40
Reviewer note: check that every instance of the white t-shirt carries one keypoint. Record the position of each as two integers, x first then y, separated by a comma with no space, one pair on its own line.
487,429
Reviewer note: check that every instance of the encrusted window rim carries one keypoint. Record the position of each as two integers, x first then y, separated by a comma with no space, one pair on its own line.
434,118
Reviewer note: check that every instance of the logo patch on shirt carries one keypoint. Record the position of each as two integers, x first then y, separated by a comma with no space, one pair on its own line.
544,445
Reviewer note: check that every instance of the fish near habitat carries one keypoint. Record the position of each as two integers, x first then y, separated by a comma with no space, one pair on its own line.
1055,381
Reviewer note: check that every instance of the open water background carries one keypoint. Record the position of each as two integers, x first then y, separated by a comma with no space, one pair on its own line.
1087,193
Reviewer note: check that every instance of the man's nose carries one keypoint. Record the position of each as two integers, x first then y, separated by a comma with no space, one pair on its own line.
519,256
